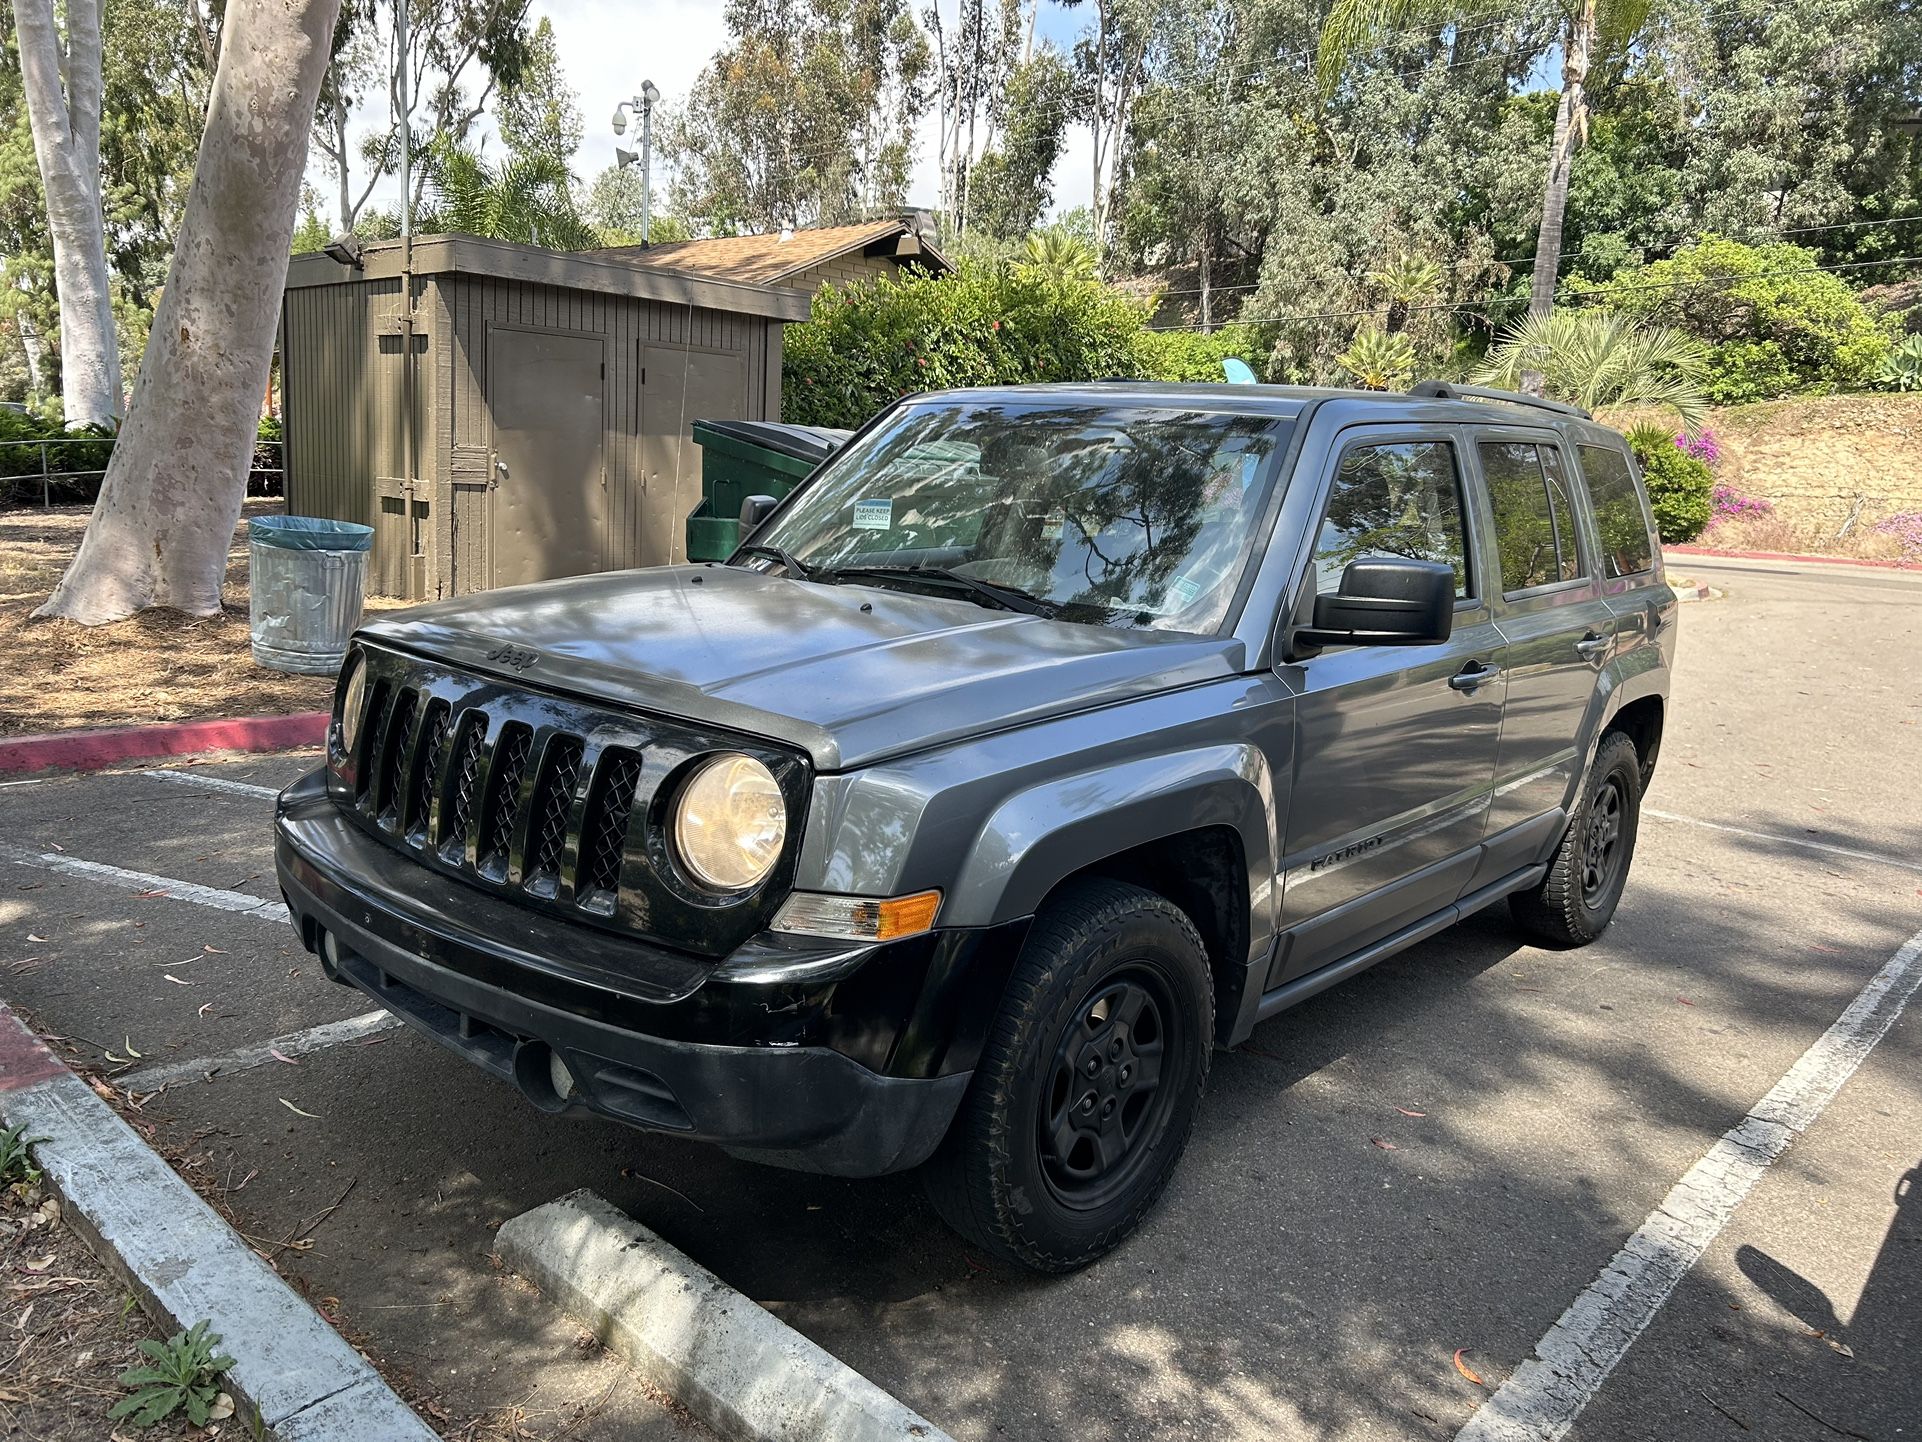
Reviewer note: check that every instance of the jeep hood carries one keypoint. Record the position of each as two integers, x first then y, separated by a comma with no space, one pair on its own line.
849,673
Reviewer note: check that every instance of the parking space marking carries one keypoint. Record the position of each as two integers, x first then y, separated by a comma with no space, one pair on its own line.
293,1044
1541,1401
207,783
238,902
1779,840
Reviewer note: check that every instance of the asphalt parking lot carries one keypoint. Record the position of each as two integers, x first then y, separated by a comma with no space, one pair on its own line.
1422,1168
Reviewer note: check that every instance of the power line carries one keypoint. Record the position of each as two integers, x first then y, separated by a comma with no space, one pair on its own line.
1463,306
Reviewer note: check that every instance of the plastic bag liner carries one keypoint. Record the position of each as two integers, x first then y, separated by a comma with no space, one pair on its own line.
309,533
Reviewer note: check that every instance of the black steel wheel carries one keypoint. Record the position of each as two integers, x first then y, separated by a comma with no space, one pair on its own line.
1088,1086
1574,902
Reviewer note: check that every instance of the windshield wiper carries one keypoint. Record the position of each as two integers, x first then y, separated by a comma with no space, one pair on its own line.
794,566
1007,598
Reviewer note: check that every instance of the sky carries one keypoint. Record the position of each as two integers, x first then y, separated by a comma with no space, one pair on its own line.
609,47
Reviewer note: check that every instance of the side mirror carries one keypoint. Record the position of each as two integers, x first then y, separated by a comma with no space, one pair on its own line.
1385,601
754,510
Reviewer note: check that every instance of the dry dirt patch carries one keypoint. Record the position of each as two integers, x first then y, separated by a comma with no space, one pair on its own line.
160,666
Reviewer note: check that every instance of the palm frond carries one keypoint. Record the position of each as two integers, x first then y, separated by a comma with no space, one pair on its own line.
1594,358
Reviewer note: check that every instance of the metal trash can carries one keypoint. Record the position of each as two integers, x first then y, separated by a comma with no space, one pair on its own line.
306,579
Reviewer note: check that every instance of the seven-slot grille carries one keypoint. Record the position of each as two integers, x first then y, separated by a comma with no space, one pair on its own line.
547,812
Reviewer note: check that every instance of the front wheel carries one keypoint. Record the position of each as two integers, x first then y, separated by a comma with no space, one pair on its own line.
1576,900
1088,1085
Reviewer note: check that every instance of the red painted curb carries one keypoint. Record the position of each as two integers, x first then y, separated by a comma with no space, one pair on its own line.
1791,556
25,1060
89,750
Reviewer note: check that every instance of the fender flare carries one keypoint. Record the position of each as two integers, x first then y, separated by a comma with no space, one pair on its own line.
1037,837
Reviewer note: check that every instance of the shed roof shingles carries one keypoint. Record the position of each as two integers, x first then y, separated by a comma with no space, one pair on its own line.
762,259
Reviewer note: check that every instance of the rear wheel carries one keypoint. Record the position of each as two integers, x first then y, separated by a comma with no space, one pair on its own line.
1576,900
1088,1086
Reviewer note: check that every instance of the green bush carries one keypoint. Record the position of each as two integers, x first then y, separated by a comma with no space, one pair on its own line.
986,324
1679,485
1740,371
1721,290
83,451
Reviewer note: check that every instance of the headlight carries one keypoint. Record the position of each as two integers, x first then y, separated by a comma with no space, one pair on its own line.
352,700
730,822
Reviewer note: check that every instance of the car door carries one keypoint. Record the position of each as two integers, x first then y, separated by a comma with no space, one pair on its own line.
1631,577
1559,633
1395,746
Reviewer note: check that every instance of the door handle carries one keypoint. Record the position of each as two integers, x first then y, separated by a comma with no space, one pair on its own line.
1474,674
1592,647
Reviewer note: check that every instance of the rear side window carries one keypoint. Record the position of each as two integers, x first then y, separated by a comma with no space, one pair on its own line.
1534,522
1619,513
1400,498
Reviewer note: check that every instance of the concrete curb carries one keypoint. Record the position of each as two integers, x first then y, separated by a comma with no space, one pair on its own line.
185,1264
1800,556
1694,591
740,1369
89,750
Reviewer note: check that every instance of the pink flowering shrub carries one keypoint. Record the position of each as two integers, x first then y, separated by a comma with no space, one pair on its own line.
1704,447
1728,504
1906,528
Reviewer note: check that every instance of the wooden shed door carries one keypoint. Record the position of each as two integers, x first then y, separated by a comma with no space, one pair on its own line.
546,395
679,387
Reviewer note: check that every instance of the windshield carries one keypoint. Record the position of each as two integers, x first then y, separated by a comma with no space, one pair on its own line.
1131,516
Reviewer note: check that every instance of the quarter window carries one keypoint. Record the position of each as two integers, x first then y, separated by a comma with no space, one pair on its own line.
1402,498
1619,513
1534,520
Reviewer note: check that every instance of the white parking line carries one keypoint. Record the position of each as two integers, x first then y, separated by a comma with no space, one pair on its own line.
207,783
238,902
294,1044
1779,840
1541,1401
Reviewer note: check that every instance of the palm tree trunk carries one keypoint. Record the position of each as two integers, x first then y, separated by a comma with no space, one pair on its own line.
1571,123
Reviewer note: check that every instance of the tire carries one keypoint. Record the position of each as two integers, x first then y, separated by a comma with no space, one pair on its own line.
1110,975
1574,903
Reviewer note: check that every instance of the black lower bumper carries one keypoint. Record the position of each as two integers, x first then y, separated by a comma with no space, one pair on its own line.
782,1089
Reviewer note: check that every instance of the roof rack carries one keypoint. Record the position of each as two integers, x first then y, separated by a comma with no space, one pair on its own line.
1450,391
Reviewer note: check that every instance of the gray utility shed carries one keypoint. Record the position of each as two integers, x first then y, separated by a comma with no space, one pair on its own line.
543,425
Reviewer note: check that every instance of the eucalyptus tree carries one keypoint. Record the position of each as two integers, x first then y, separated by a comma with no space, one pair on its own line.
60,76
160,530
1590,32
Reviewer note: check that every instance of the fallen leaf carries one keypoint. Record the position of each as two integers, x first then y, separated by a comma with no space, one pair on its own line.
41,1265
1386,1146
1407,1113
1467,1371
222,1409
205,1007
146,895
1684,1001
281,1056
213,951
174,979
296,1110
32,937
130,1051
1831,950
1842,1347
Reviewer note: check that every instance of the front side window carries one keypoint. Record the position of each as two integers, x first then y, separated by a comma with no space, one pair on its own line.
1619,514
1534,522
1107,515
1400,498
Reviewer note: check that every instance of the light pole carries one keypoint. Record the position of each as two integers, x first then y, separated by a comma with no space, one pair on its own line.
644,103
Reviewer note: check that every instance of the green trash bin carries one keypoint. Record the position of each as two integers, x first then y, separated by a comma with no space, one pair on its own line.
748,458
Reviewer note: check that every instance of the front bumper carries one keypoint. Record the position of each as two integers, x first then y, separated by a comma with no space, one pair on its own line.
812,1055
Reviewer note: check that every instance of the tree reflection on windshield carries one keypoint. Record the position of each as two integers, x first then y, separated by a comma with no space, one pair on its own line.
1130,515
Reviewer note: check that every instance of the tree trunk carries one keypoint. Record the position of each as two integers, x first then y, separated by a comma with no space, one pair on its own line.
172,493
66,143
30,347
1207,288
1571,122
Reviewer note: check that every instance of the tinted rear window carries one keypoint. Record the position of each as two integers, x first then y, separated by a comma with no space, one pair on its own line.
1534,527
1619,513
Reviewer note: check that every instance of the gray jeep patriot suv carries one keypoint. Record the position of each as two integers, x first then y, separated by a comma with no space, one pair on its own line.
1042,740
